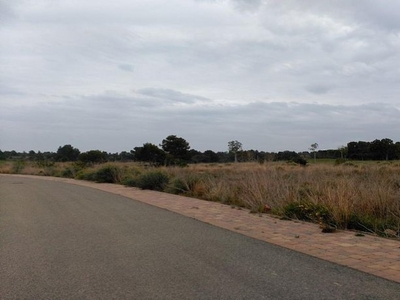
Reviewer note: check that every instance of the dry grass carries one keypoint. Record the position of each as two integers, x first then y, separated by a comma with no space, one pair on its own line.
363,196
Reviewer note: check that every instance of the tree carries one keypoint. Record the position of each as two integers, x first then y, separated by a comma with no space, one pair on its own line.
2,155
126,156
314,148
67,153
149,153
177,148
397,150
208,156
211,156
359,150
383,149
93,156
31,155
196,156
286,155
290,156
234,147
343,151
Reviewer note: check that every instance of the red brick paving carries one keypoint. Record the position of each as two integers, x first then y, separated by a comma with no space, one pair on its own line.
370,254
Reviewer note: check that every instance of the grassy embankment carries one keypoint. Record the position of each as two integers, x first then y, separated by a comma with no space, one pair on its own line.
354,195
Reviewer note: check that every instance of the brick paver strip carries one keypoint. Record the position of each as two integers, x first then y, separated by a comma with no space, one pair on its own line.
371,254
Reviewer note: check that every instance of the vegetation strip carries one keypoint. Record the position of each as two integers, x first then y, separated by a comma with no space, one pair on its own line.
360,196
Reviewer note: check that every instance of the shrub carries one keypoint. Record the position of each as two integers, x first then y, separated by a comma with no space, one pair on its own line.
371,224
68,173
86,175
49,171
340,161
177,186
195,185
301,161
108,174
45,163
308,211
152,181
18,166
130,181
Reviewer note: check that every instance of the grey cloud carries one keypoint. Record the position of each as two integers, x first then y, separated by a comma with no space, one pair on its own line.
6,11
247,5
272,126
116,102
170,95
8,90
126,67
277,60
201,69
318,88
373,14
241,5
378,14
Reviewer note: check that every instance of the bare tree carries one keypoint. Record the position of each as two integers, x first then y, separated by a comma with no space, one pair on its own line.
343,151
234,147
314,148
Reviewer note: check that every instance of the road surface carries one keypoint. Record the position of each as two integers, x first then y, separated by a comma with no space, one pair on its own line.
62,241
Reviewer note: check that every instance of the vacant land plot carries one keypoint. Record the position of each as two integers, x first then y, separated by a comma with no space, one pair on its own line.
352,195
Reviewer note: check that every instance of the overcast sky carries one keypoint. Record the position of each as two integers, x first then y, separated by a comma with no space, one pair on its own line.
274,75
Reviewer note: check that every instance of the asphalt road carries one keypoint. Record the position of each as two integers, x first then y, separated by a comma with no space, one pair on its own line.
61,241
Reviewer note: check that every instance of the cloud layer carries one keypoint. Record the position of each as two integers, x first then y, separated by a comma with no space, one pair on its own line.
274,75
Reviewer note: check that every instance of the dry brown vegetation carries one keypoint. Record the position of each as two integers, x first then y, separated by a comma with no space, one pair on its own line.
362,196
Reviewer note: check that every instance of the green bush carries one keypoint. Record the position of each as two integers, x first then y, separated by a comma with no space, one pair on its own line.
68,173
72,171
152,181
86,175
308,211
130,181
108,174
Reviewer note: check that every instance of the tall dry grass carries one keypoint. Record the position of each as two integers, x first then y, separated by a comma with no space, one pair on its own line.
363,196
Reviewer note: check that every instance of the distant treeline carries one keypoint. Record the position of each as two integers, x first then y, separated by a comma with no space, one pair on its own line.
176,150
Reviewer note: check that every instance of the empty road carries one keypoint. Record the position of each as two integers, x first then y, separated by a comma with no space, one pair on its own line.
62,241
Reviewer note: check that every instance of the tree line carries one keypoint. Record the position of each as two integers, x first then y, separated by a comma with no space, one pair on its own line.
175,150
